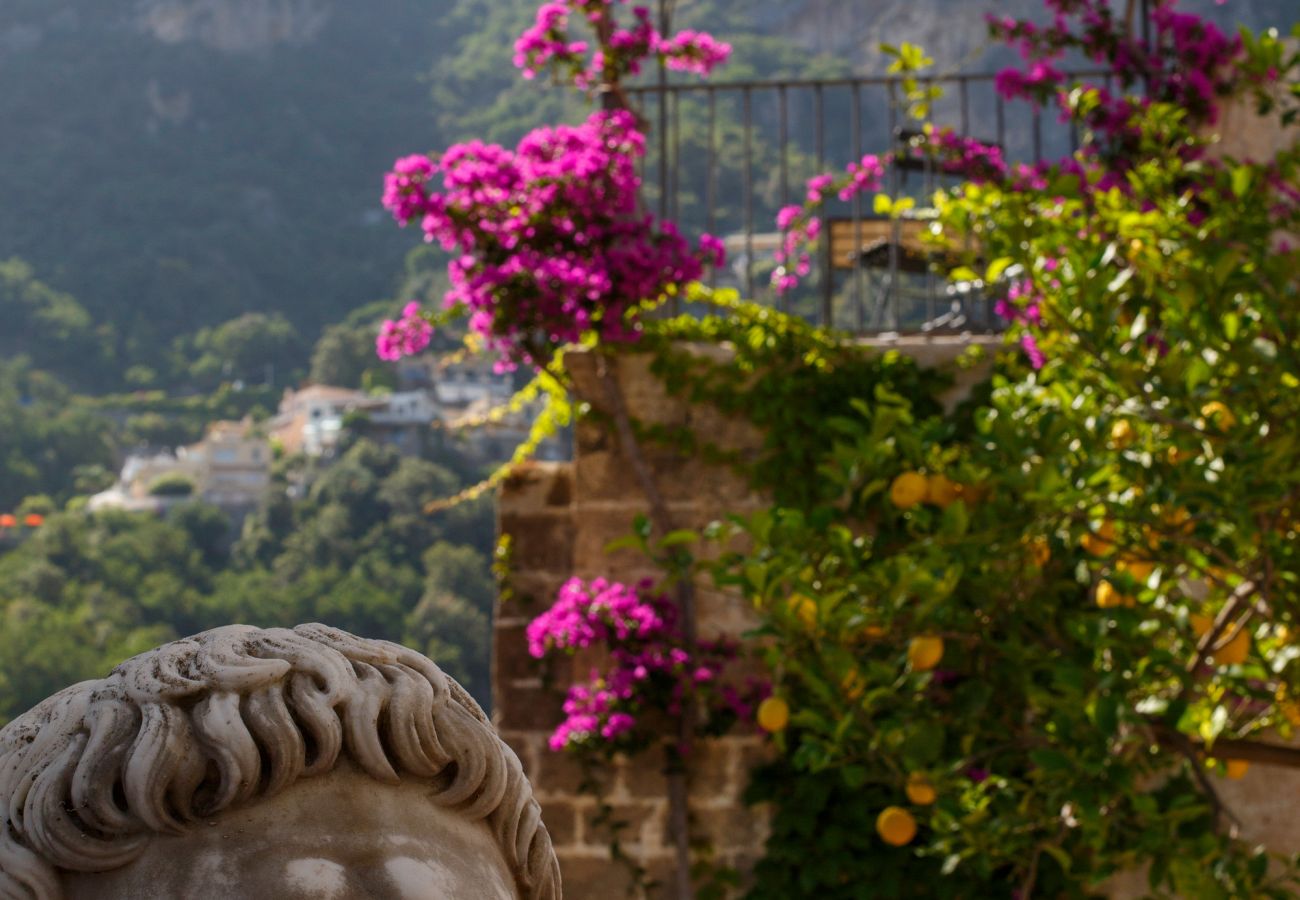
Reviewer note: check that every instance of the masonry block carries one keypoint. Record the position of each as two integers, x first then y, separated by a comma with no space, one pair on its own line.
526,708
713,764
730,827
637,824
510,659
561,819
643,777
540,541
559,774
538,486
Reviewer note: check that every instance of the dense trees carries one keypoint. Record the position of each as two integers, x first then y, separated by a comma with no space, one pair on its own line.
357,551
46,441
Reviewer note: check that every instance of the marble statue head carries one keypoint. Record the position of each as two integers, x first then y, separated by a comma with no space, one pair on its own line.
249,763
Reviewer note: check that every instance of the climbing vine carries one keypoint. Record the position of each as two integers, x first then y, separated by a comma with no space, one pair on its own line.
1016,646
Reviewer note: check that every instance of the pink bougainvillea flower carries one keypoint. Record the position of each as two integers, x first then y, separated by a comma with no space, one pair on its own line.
406,336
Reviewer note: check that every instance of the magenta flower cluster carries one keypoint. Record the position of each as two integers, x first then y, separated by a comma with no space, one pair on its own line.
959,155
548,239
1023,304
801,226
649,669
618,51
1189,62
406,336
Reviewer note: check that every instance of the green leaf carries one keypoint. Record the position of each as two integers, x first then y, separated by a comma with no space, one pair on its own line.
627,542
1117,283
1212,727
1051,760
1062,858
678,537
854,776
956,520
1106,714
997,268
923,744
1243,178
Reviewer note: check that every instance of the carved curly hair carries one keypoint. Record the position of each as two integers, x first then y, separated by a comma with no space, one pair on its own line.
212,721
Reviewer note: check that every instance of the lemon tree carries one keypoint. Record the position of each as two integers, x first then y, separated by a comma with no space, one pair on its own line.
1036,635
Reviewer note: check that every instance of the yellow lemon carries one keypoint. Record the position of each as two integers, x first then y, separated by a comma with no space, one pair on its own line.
1108,597
1234,652
941,491
1102,541
773,714
804,609
895,826
908,490
1219,415
924,652
1290,709
1122,434
1291,712
919,789
852,684
1040,551
1236,768
1139,569
1200,623
1152,537
1178,520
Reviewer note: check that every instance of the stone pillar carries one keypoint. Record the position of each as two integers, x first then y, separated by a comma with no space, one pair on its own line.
559,517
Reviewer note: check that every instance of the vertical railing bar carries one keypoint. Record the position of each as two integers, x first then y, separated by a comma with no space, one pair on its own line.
710,185
930,186
748,119
964,85
1000,107
828,275
676,168
855,125
783,124
1038,135
663,143
893,298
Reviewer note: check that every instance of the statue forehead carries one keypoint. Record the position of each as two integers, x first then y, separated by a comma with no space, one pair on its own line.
337,836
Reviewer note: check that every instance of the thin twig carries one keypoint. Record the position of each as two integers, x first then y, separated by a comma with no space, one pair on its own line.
1027,889
1192,751
1209,641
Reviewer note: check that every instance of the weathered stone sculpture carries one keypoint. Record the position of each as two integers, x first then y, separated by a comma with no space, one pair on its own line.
243,763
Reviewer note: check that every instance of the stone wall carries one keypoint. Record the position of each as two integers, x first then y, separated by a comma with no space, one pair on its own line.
559,517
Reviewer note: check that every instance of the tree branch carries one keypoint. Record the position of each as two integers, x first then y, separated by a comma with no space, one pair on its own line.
661,519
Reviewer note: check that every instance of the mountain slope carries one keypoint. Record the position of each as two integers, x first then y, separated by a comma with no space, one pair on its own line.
175,163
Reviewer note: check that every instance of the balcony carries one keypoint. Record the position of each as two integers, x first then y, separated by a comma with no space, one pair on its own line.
725,157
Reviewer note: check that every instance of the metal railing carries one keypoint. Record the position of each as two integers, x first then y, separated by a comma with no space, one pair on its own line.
726,157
